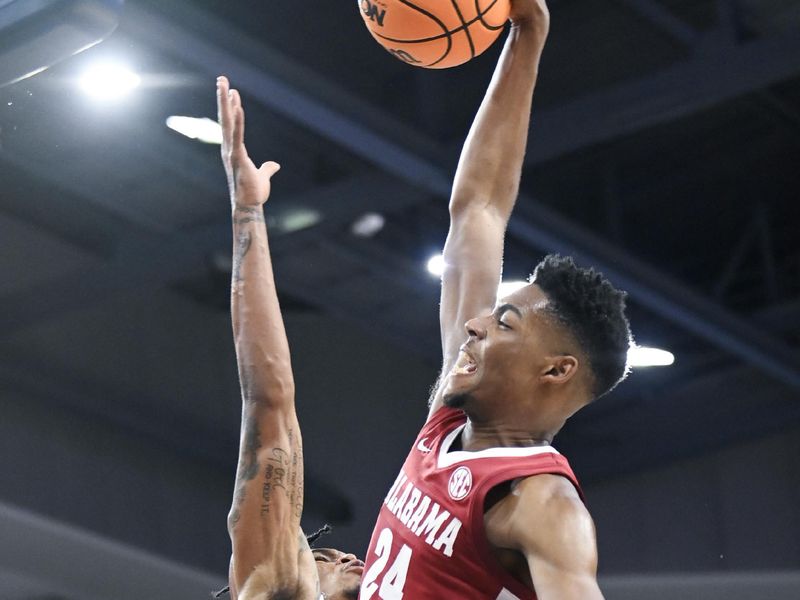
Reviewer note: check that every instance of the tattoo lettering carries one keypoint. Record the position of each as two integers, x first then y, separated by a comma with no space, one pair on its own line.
297,479
274,477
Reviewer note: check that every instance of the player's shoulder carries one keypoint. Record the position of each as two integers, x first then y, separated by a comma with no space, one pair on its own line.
540,504
545,488
548,495
548,503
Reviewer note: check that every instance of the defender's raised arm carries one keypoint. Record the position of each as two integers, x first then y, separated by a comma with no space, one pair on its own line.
487,181
270,555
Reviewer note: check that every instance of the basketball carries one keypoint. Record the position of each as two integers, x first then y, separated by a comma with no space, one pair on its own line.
435,34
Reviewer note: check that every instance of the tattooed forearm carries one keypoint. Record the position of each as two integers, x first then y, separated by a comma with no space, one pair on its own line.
253,210
247,214
254,219
243,242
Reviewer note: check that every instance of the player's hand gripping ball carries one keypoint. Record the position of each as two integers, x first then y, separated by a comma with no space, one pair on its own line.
435,34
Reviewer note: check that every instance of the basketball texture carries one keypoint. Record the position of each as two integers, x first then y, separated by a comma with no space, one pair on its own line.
435,34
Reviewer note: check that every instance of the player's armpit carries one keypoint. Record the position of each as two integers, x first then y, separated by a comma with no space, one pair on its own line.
548,523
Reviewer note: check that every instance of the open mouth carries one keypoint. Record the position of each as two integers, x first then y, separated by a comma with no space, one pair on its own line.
355,568
465,365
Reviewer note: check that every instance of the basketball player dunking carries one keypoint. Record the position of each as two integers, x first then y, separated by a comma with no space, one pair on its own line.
271,557
484,508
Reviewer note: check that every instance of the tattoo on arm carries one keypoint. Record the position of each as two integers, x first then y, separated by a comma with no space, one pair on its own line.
254,214
248,465
243,242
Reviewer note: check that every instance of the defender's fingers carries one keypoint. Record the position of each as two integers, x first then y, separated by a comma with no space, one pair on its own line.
223,102
238,128
236,99
225,111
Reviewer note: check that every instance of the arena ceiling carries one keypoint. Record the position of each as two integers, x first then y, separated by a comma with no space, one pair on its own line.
664,149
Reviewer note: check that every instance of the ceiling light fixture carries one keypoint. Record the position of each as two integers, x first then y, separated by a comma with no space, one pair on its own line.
642,356
109,81
436,265
202,129
368,224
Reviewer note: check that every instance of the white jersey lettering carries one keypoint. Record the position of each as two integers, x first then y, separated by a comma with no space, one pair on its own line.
422,516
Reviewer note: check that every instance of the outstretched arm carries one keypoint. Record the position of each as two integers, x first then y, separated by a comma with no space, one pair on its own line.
487,181
269,551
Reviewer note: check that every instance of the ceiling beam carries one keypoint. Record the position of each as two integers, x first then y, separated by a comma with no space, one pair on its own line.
716,75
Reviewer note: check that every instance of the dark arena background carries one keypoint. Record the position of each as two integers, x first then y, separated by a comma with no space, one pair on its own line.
664,149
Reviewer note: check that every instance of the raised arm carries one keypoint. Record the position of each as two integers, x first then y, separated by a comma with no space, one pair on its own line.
487,181
270,554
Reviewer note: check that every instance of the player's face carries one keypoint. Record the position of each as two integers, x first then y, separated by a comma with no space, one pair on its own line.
339,573
502,357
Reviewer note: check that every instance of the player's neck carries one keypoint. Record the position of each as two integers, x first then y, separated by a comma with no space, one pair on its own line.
478,436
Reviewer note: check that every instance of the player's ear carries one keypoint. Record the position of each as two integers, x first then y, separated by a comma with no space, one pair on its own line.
559,369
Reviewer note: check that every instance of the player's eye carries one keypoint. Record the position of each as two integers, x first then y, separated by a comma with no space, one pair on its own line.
502,324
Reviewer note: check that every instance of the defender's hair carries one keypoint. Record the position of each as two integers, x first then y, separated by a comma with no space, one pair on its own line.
311,539
593,311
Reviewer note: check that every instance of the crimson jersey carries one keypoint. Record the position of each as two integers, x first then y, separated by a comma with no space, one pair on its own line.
429,541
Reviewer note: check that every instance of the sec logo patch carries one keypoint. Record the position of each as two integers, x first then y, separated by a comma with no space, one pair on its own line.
460,483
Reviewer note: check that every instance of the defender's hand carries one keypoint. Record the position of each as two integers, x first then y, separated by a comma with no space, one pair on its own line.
531,13
248,185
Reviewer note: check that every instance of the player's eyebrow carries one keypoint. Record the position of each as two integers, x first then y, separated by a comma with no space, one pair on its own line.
504,308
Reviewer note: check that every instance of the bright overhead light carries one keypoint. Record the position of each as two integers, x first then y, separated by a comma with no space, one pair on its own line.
509,287
368,224
642,356
109,81
298,218
436,265
201,129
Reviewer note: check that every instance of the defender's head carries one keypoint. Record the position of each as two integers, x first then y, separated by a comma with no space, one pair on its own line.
339,573
554,345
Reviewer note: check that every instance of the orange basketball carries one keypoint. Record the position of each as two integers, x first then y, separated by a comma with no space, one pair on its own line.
435,34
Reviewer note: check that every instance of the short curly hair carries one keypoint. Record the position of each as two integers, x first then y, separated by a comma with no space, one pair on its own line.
593,311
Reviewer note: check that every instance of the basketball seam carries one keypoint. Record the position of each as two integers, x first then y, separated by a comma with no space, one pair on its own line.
481,14
438,21
447,33
466,28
